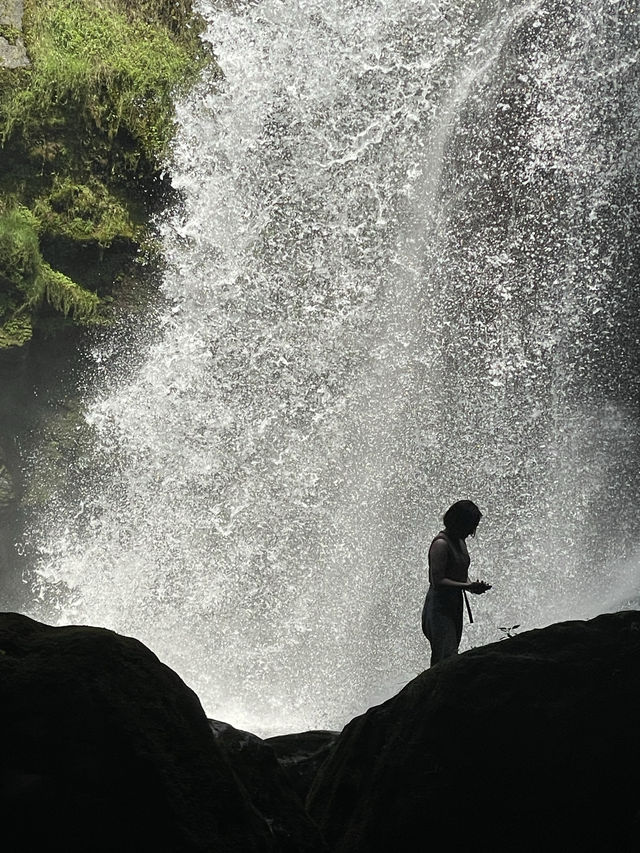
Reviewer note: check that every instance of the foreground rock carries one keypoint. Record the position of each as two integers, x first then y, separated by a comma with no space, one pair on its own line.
531,743
301,755
105,749
527,744
267,784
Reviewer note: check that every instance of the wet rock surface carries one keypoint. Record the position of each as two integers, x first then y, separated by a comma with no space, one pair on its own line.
524,744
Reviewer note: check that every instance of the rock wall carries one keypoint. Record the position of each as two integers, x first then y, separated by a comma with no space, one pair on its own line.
13,53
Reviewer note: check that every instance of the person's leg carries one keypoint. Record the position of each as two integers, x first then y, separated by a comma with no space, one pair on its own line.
442,635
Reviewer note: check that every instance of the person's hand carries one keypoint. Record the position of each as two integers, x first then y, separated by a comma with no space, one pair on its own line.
478,587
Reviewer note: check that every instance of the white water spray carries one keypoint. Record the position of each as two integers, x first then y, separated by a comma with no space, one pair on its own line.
400,276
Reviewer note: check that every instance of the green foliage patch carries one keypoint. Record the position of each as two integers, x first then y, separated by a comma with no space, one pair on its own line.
26,281
119,71
9,33
20,258
83,133
83,212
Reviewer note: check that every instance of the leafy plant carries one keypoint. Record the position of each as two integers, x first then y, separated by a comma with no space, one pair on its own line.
26,280
509,632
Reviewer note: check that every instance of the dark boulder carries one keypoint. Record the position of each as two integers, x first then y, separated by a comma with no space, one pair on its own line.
104,748
301,755
531,743
255,764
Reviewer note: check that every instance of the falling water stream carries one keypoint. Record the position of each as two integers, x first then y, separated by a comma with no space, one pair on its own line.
403,271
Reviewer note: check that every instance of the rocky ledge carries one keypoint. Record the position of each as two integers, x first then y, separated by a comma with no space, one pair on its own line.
529,744
13,53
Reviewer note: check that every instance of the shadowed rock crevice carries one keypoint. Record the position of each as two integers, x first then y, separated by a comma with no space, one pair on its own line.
261,773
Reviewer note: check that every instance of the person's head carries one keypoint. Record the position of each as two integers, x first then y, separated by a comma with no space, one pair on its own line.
462,518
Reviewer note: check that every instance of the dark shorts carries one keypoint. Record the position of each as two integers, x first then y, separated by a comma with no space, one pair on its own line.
442,622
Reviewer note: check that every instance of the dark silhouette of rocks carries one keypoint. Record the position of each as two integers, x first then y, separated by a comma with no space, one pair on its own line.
257,767
531,743
104,748
301,755
526,744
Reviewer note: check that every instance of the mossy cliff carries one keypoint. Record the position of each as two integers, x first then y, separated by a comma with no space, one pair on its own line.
83,130
87,92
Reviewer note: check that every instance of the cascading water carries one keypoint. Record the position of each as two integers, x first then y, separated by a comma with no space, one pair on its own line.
402,273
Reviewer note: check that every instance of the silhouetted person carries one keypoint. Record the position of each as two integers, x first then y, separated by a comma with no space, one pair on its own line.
449,579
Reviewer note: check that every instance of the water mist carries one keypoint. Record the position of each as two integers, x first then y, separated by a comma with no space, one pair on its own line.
401,273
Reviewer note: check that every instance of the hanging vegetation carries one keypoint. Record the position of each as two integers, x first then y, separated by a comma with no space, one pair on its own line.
83,133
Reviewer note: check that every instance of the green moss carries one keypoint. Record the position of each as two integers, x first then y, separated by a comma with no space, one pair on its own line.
83,133
9,33
20,258
84,212
121,72
16,331
66,296
27,281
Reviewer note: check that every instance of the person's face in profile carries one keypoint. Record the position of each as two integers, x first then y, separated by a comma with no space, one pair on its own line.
473,528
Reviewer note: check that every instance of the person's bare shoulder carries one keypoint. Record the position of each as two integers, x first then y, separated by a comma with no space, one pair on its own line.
438,548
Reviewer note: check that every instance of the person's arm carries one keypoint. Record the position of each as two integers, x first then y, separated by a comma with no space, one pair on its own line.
478,587
439,557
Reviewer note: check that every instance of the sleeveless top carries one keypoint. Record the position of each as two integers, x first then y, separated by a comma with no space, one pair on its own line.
457,560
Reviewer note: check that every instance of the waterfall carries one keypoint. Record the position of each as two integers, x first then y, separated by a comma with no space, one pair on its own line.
401,273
